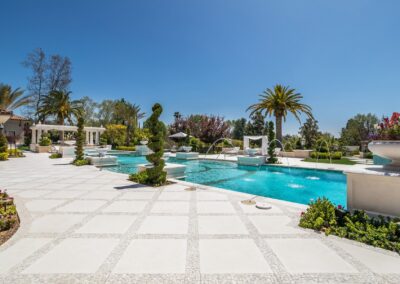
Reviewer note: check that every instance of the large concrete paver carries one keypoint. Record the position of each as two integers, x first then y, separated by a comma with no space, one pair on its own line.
84,225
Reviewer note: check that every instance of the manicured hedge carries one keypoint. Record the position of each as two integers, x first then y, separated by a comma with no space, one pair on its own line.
322,155
125,148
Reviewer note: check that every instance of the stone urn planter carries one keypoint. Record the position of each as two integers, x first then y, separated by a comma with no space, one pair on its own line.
187,149
389,149
144,142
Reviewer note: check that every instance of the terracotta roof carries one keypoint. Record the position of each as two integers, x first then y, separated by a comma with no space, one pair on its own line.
3,111
17,117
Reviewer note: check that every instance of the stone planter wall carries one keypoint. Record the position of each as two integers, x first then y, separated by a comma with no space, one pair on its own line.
377,193
42,149
296,154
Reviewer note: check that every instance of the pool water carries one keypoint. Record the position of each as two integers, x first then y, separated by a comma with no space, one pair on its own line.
290,184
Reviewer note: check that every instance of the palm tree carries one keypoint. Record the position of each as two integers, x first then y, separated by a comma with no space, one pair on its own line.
278,102
129,115
60,105
10,99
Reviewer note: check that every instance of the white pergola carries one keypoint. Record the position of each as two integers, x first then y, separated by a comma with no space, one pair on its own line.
264,142
92,133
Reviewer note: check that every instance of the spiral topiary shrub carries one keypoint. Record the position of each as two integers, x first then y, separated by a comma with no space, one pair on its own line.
80,138
272,144
154,175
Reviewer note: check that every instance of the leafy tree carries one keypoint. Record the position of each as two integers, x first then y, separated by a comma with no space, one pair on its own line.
358,129
60,105
89,111
36,61
309,131
48,74
239,127
105,112
115,134
12,99
278,102
206,128
272,144
180,124
128,114
80,140
59,73
256,126
154,175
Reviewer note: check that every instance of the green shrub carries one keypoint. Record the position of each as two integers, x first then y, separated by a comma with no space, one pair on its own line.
8,212
80,140
155,175
125,148
379,232
55,156
319,155
195,143
319,216
45,140
272,144
336,155
115,134
369,155
288,147
3,143
323,155
141,177
83,162
16,153
3,156
24,148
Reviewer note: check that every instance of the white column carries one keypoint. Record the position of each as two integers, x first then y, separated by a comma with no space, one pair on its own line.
33,136
96,138
87,137
92,137
39,135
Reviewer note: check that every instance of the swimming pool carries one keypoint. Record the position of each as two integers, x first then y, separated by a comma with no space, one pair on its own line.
290,184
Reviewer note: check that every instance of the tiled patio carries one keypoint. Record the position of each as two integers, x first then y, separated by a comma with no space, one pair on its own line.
84,225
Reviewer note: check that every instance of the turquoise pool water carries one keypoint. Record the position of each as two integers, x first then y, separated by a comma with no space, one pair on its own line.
290,184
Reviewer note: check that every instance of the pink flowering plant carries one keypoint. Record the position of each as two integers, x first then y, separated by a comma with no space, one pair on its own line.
389,128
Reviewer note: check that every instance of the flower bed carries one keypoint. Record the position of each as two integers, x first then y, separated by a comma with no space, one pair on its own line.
323,216
9,221
388,129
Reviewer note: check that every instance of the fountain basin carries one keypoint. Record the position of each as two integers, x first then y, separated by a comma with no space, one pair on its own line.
187,155
387,149
251,160
104,161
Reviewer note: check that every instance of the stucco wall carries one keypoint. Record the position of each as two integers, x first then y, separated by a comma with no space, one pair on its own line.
15,125
374,193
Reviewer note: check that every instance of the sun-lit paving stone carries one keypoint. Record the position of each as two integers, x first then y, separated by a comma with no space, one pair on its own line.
77,230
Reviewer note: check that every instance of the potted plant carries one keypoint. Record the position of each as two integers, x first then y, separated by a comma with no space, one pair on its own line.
386,141
44,144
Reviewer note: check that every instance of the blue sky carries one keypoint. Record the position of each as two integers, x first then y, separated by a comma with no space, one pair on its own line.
216,56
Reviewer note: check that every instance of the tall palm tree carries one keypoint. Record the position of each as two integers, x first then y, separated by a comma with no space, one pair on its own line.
10,99
60,105
279,102
129,115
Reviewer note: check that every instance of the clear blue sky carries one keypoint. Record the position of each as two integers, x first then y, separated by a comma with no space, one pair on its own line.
216,56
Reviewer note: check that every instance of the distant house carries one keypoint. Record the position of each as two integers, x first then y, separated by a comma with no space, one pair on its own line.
15,128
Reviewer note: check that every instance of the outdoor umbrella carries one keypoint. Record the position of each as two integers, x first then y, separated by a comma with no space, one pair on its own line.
178,135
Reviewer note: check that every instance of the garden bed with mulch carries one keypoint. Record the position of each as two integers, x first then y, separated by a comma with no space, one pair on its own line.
9,220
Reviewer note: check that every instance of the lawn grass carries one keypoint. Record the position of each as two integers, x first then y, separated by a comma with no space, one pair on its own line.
342,161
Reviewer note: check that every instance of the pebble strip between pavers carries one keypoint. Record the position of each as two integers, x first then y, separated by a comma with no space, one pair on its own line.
83,181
